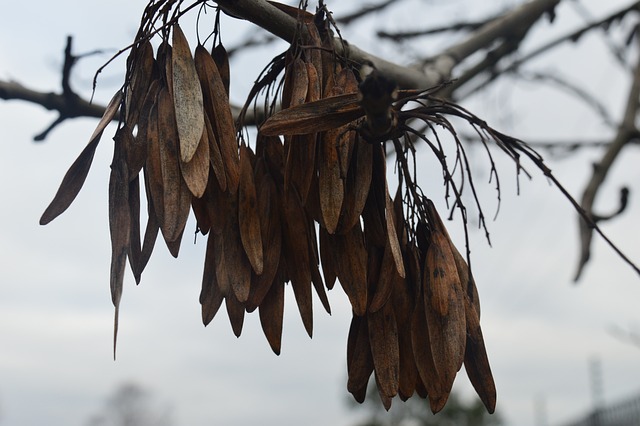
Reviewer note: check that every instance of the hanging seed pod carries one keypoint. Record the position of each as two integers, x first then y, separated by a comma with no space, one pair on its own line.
142,66
359,358
77,173
350,260
196,172
238,268
211,296
217,108
326,257
235,311
248,218
221,58
176,196
119,227
296,252
444,307
135,246
271,313
271,234
383,337
356,185
476,361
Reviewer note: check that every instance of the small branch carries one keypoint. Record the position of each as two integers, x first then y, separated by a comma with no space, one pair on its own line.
347,19
455,27
627,131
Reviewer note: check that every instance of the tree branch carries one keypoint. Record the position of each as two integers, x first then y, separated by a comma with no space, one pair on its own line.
627,131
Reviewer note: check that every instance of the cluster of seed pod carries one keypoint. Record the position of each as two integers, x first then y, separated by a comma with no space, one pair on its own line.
317,196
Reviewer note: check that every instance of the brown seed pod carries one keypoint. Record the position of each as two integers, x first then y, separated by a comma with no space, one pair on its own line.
119,227
221,58
210,295
357,185
296,252
271,234
187,96
135,246
248,218
383,338
176,195
350,259
235,311
217,108
359,358
77,173
196,172
271,313
476,362
142,63
238,268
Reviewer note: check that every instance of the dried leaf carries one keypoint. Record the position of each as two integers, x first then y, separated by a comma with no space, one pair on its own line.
187,96
77,173
248,218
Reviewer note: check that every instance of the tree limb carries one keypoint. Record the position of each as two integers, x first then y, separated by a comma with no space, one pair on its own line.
627,131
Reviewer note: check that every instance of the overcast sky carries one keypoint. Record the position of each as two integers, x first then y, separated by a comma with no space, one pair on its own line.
56,317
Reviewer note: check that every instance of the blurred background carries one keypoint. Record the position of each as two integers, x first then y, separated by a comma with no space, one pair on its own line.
558,350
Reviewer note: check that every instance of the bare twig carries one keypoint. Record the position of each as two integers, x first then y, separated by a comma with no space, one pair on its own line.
627,131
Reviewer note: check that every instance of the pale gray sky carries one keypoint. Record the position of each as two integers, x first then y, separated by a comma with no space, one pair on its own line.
55,310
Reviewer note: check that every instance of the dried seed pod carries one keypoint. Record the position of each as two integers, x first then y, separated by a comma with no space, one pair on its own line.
187,96
119,227
248,218
476,362
221,58
359,358
216,160
271,313
176,196
135,246
217,108
271,234
383,338
196,171
326,257
151,231
350,259
444,306
385,281
356,185
77,173
296,252
211,296
421,344
238,268
142,65
235,311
